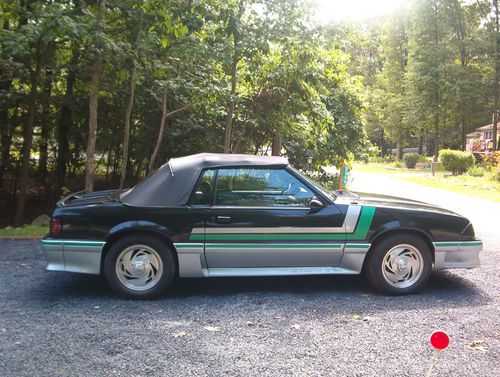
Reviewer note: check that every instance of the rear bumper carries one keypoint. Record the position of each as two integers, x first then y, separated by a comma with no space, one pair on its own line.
73,255
457,254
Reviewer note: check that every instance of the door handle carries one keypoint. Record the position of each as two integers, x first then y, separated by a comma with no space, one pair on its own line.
223,219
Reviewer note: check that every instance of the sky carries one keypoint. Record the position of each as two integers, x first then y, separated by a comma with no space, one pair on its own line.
353,10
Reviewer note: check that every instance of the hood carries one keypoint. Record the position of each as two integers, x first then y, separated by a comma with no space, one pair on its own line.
387,201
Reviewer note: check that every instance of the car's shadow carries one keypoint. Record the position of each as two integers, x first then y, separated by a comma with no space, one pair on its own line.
445,290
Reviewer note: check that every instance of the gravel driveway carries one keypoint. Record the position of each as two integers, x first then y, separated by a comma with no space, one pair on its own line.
57,324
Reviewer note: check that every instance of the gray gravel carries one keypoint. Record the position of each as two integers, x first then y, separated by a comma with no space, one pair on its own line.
58,324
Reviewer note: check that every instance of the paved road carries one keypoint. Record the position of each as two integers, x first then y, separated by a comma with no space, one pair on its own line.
56,324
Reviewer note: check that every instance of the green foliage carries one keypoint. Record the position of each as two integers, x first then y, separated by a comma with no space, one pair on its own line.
411,159
25,231
397,164
491,160
428,71
475,171
496,174
291,83
456,161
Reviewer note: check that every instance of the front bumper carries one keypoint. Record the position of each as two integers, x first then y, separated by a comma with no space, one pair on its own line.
457,254
73,255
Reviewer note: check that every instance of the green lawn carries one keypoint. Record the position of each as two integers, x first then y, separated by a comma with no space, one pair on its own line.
479,187
27,231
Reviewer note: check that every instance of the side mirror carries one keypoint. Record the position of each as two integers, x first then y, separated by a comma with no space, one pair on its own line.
315,205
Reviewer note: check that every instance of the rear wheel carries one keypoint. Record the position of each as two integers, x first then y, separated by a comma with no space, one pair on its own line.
139,266
399,264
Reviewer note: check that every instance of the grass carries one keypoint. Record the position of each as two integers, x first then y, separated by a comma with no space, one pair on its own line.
479,187
27,231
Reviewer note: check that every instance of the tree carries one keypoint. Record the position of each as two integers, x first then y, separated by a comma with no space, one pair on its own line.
94,93
130,101
392,105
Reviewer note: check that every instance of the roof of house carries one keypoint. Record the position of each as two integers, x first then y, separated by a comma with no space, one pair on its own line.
480,129
173,183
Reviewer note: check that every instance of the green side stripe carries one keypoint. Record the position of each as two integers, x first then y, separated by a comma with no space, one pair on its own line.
364,223
461,244
270,246
268,237
69,243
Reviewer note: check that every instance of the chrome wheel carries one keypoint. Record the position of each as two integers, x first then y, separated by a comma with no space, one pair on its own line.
139,267
402,266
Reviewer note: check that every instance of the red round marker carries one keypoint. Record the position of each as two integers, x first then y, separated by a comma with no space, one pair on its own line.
440,340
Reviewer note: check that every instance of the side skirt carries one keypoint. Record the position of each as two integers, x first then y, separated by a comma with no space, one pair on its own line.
276,271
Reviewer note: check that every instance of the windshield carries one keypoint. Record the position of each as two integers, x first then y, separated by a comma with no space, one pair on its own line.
325,191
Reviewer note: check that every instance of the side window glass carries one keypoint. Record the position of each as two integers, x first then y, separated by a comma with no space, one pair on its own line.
204,192
260,188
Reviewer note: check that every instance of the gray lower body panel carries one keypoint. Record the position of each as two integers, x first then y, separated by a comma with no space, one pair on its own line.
462,254
73,255
246,259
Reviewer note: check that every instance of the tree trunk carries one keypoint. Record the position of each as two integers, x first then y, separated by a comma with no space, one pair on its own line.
234,76
130,103
94,92
497,75
27,143
399,149
126,132
230,105
156,149
44,127
5,125
65,124
277,145
164,116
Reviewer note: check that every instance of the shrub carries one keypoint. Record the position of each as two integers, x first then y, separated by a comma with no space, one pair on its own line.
456,161
491,160
496,175
411,159
381,160
475,171
397,164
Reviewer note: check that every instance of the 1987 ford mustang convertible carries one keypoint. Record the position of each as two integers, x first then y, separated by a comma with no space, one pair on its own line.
218,215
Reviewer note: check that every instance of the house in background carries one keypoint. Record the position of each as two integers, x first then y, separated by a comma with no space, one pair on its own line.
480,140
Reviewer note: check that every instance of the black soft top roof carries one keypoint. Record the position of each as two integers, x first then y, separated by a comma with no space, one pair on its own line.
172,184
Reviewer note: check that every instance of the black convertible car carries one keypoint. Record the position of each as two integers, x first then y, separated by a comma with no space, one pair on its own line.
235,215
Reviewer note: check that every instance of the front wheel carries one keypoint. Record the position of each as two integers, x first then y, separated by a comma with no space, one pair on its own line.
399,264
139,266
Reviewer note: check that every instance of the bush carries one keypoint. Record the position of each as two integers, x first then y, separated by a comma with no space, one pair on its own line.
381,160
456,161
397,164
475,171
496,175
491,160
411,159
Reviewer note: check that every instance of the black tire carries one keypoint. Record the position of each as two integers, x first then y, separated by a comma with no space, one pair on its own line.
154,246
379,259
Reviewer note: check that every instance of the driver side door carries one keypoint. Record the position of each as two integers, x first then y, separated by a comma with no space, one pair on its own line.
261,218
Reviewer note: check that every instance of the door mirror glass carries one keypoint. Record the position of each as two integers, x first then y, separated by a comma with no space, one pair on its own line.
315,204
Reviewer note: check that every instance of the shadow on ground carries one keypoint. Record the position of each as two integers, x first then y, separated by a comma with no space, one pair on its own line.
445,290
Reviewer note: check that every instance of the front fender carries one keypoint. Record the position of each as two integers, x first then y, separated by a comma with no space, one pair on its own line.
400,226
